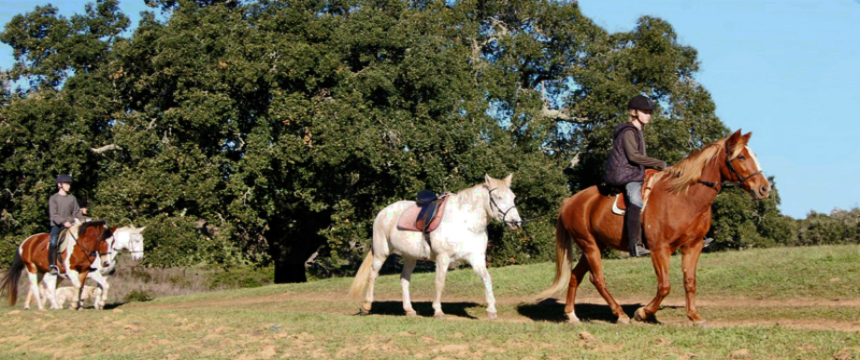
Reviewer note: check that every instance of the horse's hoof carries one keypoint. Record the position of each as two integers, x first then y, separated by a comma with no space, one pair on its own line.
492,315
440,316
623,320
363,311
411,314
700,323
640,315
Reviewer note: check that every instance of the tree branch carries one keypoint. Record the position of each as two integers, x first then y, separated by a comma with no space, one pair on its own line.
562,115
105,148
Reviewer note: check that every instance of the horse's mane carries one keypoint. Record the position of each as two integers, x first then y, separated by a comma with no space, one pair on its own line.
83,228
467,193
689,171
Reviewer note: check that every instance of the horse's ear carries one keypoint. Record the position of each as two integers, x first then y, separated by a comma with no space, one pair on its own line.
734,138
487,179
112,229
508,179
141,229
746,138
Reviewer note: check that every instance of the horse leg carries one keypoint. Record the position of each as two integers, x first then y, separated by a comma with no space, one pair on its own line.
378,260
479,265
442,263
405,278
99,301
690,258
82,277
50,282
592,254
575,279
78,284
660,258
34,291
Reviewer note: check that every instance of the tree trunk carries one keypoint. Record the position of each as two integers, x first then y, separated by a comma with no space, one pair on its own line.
290,271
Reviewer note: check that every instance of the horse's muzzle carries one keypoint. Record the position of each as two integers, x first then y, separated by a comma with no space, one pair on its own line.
514,225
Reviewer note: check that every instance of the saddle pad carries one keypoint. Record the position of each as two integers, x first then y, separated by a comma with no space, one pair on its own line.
408,218
619,206
64,240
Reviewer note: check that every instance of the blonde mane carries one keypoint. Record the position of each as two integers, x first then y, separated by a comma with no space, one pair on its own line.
689,171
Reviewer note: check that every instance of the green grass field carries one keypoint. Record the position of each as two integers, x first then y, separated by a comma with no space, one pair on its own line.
783,303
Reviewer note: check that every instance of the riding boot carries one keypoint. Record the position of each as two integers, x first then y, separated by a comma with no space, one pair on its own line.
634,230
52,254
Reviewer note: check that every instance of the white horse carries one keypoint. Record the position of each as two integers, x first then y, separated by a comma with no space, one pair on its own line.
69,294
126,238
461,235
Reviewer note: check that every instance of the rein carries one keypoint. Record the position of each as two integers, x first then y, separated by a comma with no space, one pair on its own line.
718,186
522,222
92,253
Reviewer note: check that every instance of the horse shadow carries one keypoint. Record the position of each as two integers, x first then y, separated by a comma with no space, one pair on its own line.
423,308
552,310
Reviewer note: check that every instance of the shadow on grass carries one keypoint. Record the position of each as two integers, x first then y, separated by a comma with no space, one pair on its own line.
553,311
112,306
423,308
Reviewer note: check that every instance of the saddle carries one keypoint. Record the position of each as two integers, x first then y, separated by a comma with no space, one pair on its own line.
619,206
426,215
62,244
65,241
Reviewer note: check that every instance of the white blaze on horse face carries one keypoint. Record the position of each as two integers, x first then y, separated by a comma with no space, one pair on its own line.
755,159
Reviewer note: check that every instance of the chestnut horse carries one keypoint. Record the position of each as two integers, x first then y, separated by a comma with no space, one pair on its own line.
678,215
89,244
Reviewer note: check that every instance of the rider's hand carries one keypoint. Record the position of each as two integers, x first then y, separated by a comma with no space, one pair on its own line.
67,224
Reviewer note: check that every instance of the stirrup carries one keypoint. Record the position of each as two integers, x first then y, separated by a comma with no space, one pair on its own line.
639,251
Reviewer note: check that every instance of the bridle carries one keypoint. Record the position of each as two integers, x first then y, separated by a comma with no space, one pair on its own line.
131,241
504,212
732,172
92,253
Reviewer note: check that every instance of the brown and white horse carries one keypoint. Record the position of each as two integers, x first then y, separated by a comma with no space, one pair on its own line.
88,243
678,215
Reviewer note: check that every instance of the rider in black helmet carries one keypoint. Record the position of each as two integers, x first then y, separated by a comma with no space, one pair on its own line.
62,209
626,166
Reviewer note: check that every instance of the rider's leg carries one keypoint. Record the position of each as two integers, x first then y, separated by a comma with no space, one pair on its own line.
633,218
52,250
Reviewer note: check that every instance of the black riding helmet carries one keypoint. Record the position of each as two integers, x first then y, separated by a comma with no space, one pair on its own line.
640,102
64,178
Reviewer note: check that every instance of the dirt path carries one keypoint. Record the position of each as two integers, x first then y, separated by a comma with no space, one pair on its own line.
337,303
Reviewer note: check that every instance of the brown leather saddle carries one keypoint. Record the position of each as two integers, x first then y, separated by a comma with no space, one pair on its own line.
620,205
426,215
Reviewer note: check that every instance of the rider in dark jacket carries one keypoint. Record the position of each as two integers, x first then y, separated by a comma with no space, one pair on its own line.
626,167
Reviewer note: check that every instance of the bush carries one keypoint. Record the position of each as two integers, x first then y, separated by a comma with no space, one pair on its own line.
139,295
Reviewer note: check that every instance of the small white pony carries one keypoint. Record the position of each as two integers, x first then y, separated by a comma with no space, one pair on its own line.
461,235
69,294
125,238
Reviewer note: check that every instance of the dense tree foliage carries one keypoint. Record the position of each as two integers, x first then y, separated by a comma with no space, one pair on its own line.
260,132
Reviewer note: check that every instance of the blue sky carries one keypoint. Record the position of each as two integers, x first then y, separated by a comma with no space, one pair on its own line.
786,70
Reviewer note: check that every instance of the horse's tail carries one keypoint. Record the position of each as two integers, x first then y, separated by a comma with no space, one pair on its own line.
10,281
356,291
563,259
